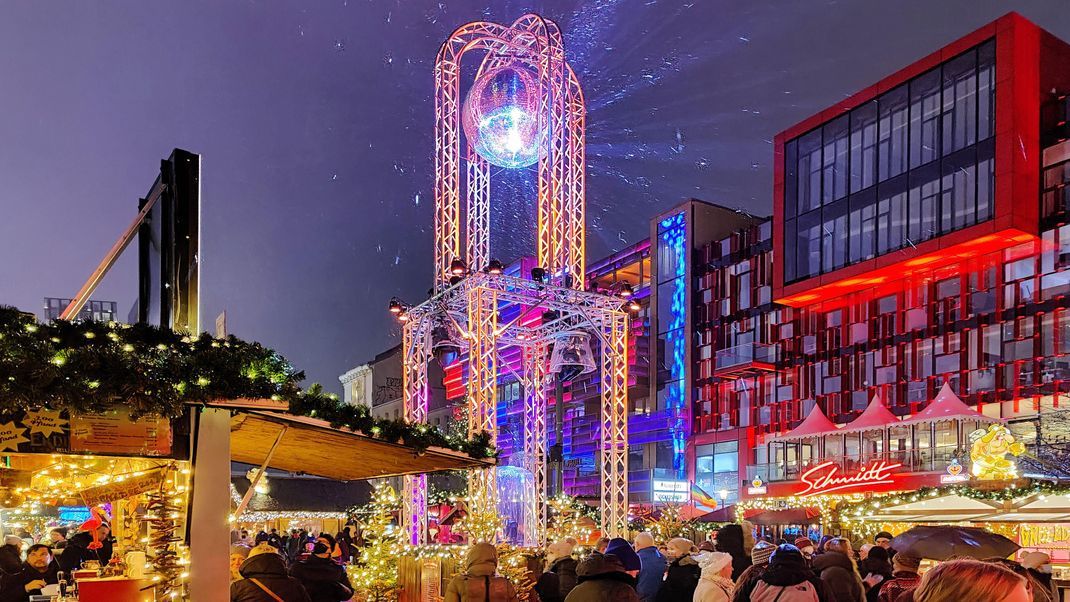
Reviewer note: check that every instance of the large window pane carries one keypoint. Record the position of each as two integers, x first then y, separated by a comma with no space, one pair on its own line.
863,228
959,192
986,90
791,178
960,103
924,118
864,146
986,180
809,171
790,251
924,204
834,236
808,247
834,160
892,133
890,221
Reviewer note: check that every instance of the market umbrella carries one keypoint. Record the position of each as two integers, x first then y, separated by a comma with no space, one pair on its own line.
943,542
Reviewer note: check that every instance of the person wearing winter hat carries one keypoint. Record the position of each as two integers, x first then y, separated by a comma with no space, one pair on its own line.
602,577
264,578
1038,564
238,554
683,572
707,546
759,556
623,550
788,577
559,561
884,540
652,572
904,577
325,579
730,540
806,546
715,584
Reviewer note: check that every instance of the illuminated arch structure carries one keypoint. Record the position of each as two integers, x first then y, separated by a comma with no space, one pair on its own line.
481,313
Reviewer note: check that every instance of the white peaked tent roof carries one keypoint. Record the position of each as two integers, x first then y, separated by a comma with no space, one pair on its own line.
947,406
815,424
876,417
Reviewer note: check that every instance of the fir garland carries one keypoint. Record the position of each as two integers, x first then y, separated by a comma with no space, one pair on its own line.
857,510
90,366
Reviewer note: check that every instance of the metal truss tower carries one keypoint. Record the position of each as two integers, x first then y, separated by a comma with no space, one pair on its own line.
471,305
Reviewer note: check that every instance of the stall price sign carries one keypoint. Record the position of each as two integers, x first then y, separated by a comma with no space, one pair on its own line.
827,478
431,582
118,490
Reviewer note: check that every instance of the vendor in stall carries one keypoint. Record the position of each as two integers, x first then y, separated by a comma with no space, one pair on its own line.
38,571
80,548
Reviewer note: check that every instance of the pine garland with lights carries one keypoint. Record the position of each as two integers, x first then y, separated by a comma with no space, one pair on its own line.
669,523
569,517
376,577
163,545
481,521
89,366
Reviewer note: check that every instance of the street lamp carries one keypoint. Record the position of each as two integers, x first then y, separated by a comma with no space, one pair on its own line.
724,497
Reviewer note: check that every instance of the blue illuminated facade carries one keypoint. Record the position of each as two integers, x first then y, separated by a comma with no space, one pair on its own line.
672,332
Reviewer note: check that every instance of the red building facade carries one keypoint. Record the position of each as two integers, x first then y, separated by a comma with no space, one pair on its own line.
918,238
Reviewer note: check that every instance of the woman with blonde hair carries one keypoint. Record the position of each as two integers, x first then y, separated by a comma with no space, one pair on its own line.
958,580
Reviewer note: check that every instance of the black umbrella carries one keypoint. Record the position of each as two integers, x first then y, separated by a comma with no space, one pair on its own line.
943,542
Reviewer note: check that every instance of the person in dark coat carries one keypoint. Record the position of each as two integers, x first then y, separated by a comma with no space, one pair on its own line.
682,573
79,550
788,571
38,571
876,563
294,546
759,556
905,577
58,536
480,582
838,572
652,572
11,555
345,544
560,562
323,578
602,577
265,571
730,541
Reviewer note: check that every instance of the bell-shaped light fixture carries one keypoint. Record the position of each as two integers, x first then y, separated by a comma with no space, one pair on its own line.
443,347
538,274
571,355
633,305
626,290
494,267
396,306
458,268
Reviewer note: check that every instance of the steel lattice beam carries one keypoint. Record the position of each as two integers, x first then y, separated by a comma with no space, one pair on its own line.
535,358
415,348
614,435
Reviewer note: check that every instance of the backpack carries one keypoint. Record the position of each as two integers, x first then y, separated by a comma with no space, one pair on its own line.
800,592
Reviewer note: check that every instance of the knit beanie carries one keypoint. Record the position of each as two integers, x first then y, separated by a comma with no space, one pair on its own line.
761,552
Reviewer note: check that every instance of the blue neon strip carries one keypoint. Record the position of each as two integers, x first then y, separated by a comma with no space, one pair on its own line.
673,237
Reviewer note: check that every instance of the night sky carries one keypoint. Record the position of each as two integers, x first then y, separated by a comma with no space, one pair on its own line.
315,122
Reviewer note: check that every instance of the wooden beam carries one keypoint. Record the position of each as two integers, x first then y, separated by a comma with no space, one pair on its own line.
260,473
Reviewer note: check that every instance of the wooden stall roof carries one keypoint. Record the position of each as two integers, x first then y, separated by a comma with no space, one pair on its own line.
312,446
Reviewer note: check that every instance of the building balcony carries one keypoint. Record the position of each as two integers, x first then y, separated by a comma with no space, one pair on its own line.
745,360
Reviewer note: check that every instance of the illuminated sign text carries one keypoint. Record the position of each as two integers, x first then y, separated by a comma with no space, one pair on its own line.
826,477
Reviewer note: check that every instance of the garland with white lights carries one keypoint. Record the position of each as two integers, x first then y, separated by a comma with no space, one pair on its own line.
89,366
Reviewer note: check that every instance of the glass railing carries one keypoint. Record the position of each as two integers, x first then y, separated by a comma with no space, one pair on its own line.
934,459
746,354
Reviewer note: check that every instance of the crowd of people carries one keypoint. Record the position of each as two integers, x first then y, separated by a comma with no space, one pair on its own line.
295,567
28,565
722,570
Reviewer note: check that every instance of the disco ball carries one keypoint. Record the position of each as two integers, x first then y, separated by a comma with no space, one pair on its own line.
501,117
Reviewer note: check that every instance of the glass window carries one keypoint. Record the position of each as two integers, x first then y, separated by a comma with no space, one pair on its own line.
834,236
791,178
986,90
790,251
924,203
809,171
959,193
808,246
892,133
986,180
924,118
863,227
960,103
864,146
890,222
834,160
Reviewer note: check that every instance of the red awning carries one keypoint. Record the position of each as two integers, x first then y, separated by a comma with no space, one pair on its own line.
815,424
876,417
787,516
947,406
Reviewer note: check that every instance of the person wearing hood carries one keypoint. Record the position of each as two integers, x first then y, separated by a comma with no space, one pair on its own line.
788,578
715,584
759,556
38,571
323,578
478,582
620,548
730,541
838,572
559,561
264,579
603,577
79,549
652,571
683,571
11,555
